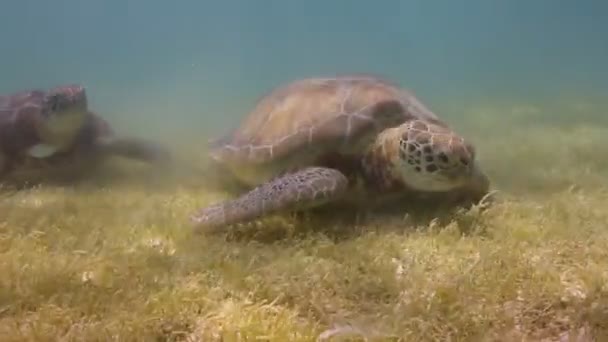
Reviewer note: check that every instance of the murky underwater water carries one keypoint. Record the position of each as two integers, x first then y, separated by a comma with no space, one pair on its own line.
525,81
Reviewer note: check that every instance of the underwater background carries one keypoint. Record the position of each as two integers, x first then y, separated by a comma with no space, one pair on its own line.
187,71
114,258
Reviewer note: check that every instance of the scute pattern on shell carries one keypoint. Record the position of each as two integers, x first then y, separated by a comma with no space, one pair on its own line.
325,112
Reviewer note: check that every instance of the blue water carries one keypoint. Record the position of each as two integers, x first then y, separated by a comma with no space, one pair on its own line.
203,63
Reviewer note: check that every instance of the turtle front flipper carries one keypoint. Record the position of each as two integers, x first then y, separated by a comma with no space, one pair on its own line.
307,188
134,148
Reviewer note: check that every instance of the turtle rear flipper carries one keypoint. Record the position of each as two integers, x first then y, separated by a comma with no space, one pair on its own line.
134,148
304,189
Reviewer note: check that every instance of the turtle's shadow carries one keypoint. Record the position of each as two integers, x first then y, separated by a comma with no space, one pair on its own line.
94,173
340,222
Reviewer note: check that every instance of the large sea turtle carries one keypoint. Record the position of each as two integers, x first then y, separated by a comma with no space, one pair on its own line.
48,130
320,140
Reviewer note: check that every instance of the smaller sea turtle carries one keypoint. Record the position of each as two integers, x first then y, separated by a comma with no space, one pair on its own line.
44,130
356,138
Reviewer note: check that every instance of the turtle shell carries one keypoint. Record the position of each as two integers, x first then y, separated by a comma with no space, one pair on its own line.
314,116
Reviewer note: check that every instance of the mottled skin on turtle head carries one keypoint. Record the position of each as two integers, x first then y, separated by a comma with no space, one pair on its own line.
421,156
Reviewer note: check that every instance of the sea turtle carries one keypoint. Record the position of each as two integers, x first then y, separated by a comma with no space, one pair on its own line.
359,138
47,130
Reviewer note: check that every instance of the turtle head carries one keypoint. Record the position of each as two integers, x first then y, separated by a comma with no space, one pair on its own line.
431,157
64,112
